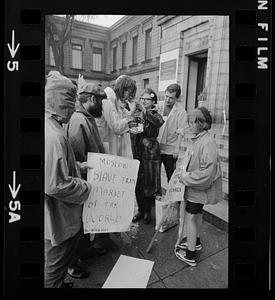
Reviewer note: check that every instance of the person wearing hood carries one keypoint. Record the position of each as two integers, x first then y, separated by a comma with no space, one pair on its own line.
65,190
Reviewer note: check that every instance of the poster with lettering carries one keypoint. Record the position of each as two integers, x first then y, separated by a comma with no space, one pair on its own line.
175,189
110,206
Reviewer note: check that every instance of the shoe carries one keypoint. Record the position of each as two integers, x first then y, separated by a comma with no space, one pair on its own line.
180,254
147,218
184,246
77,272
138,217
92,252
67,285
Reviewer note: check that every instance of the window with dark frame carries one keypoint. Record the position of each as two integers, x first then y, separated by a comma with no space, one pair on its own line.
148,43
114,58
123,51
146,83
76,56
134,53
97,59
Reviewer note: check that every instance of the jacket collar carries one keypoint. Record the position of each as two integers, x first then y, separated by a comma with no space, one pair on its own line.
80,108
200,135
175,107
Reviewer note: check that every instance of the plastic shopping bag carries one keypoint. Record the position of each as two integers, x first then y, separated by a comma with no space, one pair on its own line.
171,215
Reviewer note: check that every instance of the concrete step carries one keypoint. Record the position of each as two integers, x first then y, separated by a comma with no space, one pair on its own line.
217,214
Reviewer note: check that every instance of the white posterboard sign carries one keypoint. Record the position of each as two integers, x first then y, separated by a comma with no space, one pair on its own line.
110,206
168,70
175,190
129,272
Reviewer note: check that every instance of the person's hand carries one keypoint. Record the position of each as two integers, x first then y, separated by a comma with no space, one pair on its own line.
182,175
132,106
140,107
83,166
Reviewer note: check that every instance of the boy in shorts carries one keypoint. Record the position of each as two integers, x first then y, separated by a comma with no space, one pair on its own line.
203,181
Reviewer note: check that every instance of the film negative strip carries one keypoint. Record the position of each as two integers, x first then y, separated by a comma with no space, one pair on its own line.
249,189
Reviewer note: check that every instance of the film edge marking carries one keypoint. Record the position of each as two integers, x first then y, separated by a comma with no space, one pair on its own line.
262,61
14,204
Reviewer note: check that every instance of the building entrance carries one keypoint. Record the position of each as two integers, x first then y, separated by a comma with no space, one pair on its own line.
196,79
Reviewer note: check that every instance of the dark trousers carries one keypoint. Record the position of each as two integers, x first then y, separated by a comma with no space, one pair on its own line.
59,258
169,164
144,203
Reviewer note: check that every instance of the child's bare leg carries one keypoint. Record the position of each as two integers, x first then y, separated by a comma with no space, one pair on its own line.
191,230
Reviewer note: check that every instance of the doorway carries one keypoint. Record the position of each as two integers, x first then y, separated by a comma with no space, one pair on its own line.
195,79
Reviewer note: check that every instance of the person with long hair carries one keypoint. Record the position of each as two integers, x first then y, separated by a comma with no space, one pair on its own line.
147,151
117,112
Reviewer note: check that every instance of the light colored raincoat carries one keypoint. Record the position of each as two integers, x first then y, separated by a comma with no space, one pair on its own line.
65,191
203,179
113,129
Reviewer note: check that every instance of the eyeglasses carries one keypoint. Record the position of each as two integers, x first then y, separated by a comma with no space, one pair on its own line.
145,99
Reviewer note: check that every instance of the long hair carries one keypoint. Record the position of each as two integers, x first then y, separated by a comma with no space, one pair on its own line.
125,83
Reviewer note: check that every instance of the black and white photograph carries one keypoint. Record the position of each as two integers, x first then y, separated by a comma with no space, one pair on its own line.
136,151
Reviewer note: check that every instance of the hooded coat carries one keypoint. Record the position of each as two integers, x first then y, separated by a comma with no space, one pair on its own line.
65,191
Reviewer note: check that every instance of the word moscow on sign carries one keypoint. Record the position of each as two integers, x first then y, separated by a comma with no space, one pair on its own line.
110,206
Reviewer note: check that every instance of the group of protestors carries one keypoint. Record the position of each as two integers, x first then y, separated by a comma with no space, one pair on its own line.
80,118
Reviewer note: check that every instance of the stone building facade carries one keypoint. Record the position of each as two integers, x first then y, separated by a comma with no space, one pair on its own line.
156,51
199,48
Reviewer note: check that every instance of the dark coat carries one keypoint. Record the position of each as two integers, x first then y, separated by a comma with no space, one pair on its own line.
83,134
146,150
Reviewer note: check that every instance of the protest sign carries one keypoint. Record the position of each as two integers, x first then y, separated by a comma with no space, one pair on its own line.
110,206
175,189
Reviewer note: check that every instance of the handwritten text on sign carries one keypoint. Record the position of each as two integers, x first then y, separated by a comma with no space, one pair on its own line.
110,206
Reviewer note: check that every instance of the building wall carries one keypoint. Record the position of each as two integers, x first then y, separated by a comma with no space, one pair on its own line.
185,35
193,35
87,35
124,31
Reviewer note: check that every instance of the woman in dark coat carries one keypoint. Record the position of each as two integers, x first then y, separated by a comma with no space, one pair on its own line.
146,150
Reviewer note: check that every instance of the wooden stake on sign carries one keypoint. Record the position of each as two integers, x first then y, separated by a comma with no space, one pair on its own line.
163,219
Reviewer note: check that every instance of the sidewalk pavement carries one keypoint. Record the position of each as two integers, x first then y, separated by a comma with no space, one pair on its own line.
168,271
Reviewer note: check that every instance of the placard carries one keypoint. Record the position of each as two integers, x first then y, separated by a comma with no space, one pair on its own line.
110,206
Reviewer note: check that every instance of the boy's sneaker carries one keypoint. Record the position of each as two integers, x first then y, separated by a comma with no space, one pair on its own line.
184,246
180,254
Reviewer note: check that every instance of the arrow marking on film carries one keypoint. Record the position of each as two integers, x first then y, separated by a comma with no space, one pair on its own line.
11,48
12,189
